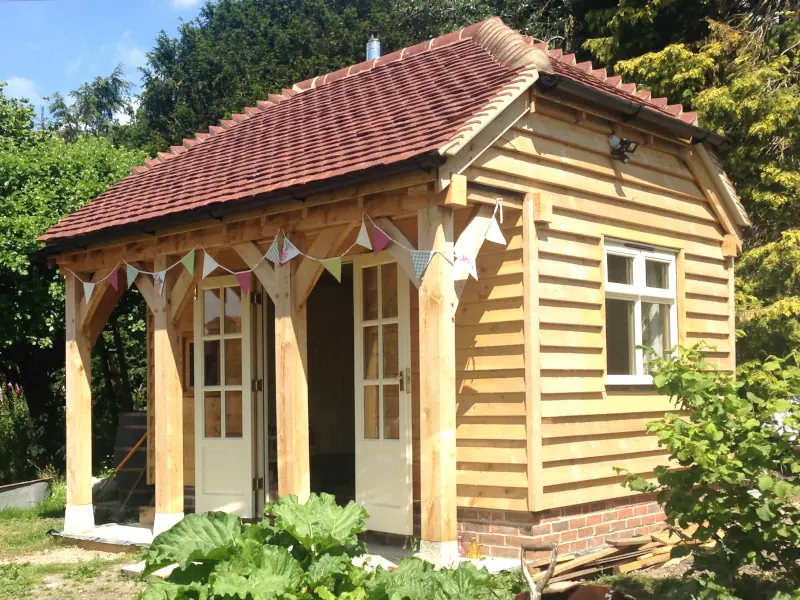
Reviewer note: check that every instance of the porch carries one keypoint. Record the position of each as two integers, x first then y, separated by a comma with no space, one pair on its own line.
407,404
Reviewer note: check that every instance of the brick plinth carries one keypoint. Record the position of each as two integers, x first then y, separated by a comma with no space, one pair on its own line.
500,533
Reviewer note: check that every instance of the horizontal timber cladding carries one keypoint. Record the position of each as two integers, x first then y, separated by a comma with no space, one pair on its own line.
490,379
587,428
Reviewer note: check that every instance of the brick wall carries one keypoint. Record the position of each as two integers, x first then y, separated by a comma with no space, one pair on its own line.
500,533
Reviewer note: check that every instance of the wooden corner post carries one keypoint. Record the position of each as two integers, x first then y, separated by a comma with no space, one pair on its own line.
437,306
291,382
168,407
79,515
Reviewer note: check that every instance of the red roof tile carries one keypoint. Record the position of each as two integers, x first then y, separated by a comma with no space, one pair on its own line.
431,97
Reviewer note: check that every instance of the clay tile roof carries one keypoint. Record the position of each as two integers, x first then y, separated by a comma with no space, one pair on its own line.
433,97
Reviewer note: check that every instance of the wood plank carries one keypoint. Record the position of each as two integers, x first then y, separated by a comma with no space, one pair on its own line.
327,243
561,267
635,423
291,382
569,244
707,266
569,336
491,382
493,475
585,492
493,265
498,311
491,431
457,191
699,305
609,405
707,286
181,292
579,561
732,313
569,382
490,405
707,325
575,450
703,178
568,313
493,288
78,410
437,395
570,290
516,455
570,359
253,256
601,469
483,496
509,357
167,400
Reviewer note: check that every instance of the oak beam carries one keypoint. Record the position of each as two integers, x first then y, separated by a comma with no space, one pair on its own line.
400,254
437,300
327,243
79,515
291,381
168,407
456,194
252,255
182,292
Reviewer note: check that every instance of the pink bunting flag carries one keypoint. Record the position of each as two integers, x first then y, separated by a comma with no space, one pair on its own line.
288,252
379,240
465,263
113,279
244,281
158,281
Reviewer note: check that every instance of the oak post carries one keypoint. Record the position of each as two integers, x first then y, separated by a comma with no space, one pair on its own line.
291,378
79,515
437,305
168,408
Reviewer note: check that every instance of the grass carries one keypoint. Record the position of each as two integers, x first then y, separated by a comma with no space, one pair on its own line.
643,587
25,530
25,580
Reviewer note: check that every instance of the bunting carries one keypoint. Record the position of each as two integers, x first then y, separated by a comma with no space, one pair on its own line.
333,266
158,280
113,279
88,288
274,253
188,262
363,236
379,239
209,264
421,259
130,274
288,252
243,277
465,263
494,234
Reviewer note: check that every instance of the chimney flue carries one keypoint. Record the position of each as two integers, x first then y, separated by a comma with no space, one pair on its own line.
373,46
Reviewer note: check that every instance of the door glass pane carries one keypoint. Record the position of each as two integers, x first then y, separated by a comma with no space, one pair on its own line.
233,414
620,269
371,352
656,274
391,412
620,342
371,412
389,291
655,327
369,295
233,310
390,351
233,361
213,415
211,362
211,311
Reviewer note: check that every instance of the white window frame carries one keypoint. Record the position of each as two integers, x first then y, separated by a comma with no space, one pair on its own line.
638,293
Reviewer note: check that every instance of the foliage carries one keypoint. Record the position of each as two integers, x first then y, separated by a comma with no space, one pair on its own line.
646,587
307,553
19,437
738,478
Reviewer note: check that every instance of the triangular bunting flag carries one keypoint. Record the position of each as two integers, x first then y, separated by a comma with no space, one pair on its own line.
88,288
131,273
289,251
274,253
209,264
244,281
420,260
465,263
113,279
363,236
334,267
494,234
379,240
188,262
158,281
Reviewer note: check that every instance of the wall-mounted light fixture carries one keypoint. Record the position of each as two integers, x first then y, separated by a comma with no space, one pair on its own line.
622,148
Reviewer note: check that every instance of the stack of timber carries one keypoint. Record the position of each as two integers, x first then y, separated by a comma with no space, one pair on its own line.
624,555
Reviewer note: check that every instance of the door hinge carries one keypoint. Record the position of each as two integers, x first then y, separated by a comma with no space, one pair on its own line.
258,483
257,385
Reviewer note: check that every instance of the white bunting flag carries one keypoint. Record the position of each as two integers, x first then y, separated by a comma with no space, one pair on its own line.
158,280
465,263
88,288
494,234
274,253
421,259
209,264
130,274
288,252
363,236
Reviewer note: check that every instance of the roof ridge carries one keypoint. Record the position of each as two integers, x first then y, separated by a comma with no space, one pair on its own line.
505,45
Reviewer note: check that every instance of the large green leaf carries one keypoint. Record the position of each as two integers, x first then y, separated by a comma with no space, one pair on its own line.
319,523
211,536
270,573
324,570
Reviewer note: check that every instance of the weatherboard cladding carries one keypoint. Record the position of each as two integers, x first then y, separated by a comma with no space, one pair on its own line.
380,112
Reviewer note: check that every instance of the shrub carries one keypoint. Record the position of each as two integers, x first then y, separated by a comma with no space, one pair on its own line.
737,476
20,452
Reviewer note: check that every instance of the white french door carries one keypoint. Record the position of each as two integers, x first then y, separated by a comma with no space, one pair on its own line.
382,395
223,398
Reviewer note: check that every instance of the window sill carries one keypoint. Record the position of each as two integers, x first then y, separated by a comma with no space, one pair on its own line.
629,380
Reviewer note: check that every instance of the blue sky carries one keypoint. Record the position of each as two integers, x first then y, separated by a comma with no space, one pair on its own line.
55,45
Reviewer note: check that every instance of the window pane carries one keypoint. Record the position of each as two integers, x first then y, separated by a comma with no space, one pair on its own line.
233,310
391,412
370,293
211,311
213,415
389,291
656,274
233,362
371,412
620,269
620,342
371,352
390,352
233,414
655,327
211,362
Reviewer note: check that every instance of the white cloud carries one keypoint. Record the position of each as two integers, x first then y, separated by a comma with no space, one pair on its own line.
21,87
185,3
131,56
